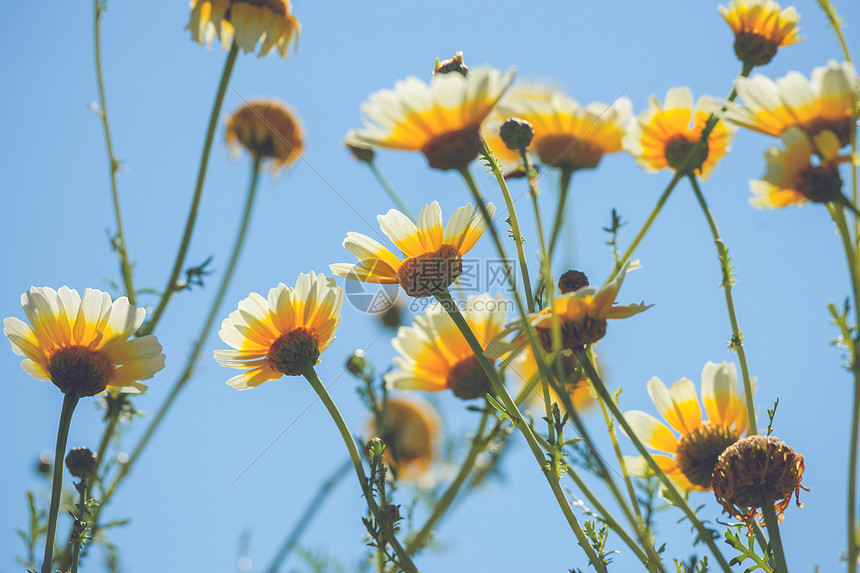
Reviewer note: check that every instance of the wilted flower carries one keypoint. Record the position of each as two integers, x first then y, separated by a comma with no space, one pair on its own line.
268,129
81,343
282,335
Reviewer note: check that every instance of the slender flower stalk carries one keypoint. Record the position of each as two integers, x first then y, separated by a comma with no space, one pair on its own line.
737,343
447,302
70,400
563,189
311,376
307,516
78,526
675,496
838,214
198,192
386,186
188,371
113,162
686,164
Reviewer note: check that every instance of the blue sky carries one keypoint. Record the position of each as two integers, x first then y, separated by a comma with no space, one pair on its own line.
56,215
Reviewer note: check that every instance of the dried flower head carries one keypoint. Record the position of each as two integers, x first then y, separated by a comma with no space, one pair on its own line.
82,462
757,470
269,130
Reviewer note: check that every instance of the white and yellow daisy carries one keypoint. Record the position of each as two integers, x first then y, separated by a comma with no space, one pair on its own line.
82,343
441,119
284,334
412,432
792,179
434,255
663,135
823,103
692,456
247,22
434,355
761,27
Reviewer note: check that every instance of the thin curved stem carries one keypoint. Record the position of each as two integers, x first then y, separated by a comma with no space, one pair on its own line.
321,391
70,400
113,162
188,371
838,214
307,516
78,526
563,189
441,506
386,186
198,193
675,496
516,417
737,343
772,524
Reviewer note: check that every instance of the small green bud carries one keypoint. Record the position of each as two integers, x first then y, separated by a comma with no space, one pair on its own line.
82,463
516,133
357,363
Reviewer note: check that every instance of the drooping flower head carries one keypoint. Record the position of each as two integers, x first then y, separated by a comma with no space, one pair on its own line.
567,135
525,371
753,467
247,22
792,179
434,255
81,342
441,119
268,129
692,457
823,103
411,432
434,355
284,334
663,135
582,314
761,27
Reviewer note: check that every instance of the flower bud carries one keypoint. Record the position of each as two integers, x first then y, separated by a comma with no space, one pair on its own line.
82,463
455,64
572,281
516,133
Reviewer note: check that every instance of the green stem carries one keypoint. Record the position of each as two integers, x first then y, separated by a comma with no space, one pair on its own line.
838,214
712,122
441,506
355,456
198,193
188,371
307,516
772,524
70,400
674,495
737,343
613,523
512,217
386,186
563,188
444,298
78,528
113,162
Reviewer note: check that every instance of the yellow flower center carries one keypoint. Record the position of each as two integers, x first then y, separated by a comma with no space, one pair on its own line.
567,151
679,146
80,369
698,451
575,334
294,352
468,380
453,149
430,273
